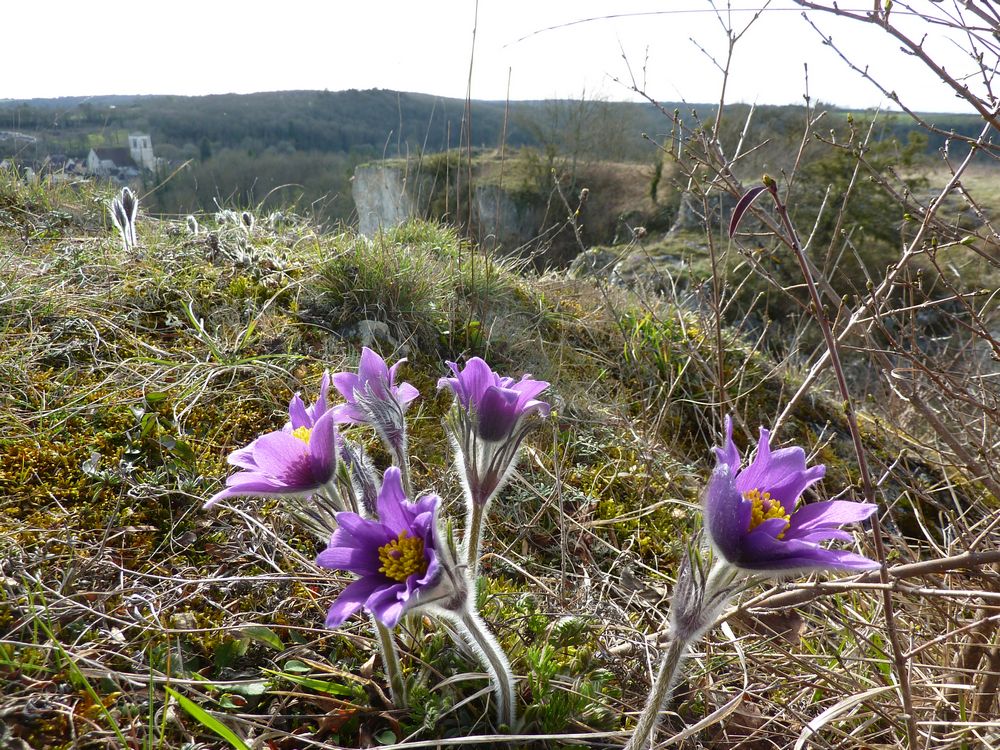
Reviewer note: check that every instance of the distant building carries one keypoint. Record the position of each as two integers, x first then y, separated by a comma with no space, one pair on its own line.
124,163
108,162
140,147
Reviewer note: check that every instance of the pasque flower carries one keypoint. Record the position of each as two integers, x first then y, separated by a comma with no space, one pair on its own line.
488,422
297,460
755,530
373,398
751,514
374,381
496,404
403,563
398,556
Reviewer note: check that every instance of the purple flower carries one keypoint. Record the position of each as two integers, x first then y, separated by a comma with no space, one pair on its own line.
373,398
301,416
751,518
488,423
374,381
294,461
497,403
398,556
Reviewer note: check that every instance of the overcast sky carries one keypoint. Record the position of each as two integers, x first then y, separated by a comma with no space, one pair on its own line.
77,47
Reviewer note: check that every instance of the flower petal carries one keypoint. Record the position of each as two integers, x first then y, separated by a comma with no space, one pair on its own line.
362,531
351,599
788,491
476,377
349,413
496,413
821,517
243,458
346,383
388,603
394,369
527,388
258,483
770,469
362,561
391,510
282,455
769,527
297,413
728,454
405,393
320,406
762,553
254,484
727,514
373,373
323,448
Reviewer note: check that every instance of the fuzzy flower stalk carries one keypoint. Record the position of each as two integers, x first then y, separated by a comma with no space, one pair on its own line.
372,397
403,563
124,209
488,421
755,531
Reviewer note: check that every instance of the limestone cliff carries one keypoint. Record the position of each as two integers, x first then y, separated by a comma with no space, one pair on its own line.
516,208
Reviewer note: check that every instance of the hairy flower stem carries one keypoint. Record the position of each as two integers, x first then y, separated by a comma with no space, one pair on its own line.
475,515
868,488
492,656
393,667
662,688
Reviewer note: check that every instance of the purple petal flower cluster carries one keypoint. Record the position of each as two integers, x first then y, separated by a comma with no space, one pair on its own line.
751,515
296,461
397,556
496,403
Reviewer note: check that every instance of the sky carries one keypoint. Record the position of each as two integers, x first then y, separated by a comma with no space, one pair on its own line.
524,49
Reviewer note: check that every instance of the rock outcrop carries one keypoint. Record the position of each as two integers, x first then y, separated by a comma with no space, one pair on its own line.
382,197
515,210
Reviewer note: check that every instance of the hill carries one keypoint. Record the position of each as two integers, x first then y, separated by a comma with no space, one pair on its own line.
273,150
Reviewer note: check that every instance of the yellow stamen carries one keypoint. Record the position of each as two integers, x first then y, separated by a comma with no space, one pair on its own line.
402,557
302,433
763,507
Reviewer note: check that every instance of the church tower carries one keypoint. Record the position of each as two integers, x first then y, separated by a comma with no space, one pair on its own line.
140,145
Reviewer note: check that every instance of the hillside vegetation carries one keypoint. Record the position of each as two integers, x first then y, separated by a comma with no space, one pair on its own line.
269,150
130,617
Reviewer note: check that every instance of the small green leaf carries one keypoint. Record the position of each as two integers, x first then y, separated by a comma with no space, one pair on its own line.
248,689
263,634
296,667
320,686
227,652
228,700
